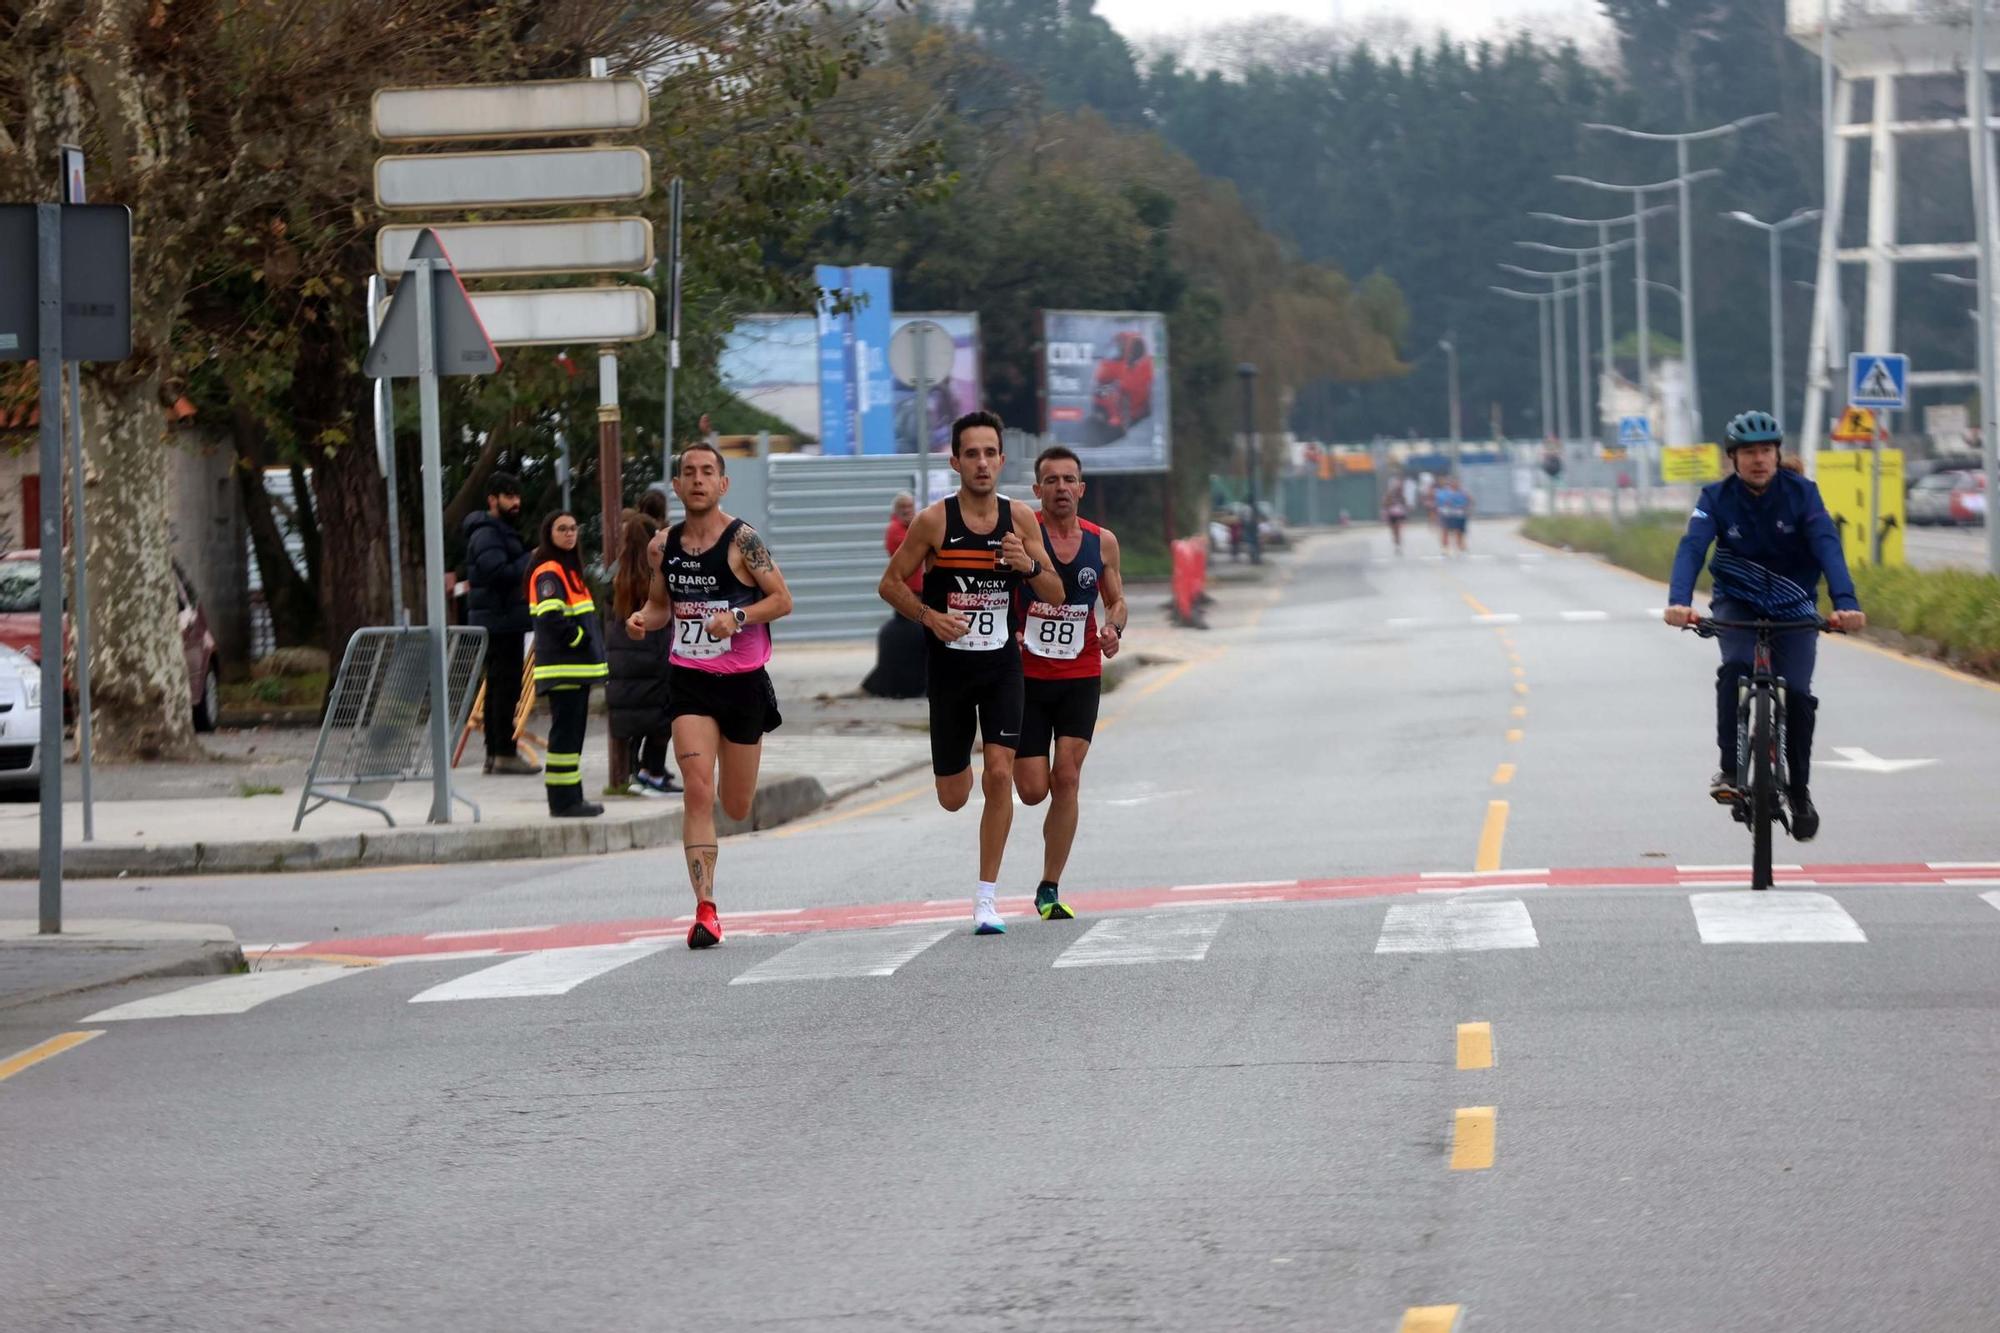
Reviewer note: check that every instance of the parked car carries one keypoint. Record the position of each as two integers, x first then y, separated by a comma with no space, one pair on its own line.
1968,500
1947,497
21,630
20,721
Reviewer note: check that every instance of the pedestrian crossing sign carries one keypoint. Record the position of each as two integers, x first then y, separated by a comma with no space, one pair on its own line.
1634,430
1879,380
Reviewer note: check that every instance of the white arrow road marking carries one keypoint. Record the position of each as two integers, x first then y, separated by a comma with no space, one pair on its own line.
1862,760
1773,917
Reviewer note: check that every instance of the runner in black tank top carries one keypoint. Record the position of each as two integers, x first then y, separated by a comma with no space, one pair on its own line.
974,548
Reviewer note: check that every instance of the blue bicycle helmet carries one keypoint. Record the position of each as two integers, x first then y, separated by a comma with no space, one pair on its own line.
1752,427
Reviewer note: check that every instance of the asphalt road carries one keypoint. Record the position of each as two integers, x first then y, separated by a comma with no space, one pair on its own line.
1239,1093
1945,548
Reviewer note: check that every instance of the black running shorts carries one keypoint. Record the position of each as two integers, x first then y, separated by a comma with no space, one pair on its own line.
743,703
988,699
1056,708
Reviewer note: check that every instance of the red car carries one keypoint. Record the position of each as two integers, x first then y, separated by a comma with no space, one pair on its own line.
21,628
1122,395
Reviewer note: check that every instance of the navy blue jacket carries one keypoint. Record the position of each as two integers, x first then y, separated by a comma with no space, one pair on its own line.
1770,549
497,561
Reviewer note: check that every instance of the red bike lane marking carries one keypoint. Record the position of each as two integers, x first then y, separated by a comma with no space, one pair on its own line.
872,916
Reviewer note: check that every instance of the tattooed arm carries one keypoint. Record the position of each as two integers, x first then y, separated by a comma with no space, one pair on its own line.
750,560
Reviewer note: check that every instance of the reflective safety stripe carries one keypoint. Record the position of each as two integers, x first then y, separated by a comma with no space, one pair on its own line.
580,671
551,778
552,604
579,608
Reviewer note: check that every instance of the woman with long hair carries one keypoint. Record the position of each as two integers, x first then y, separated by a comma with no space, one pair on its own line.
569,656
636,696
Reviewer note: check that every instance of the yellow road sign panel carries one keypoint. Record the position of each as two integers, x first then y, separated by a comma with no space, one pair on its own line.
1684,463
1845,483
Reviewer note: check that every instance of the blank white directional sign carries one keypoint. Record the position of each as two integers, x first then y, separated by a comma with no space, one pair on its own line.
524,178
511,110
560,315
500,249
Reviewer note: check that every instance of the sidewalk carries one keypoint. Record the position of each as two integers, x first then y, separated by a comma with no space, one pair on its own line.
234,812
90,954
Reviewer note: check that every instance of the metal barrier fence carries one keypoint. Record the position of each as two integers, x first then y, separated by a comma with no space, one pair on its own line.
824,523
377,727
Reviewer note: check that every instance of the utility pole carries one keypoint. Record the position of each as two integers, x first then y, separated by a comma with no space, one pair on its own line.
1542,301
1587,257
1982,210
1450,346
1248,374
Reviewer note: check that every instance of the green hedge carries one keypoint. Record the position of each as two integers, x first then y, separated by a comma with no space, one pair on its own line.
1955,611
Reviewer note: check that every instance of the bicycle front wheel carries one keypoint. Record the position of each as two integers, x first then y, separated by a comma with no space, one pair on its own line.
1763,789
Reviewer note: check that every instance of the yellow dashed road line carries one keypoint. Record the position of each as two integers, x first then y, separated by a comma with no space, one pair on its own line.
1429,1319
1492,836
1475,1046
1472,1138
1503,775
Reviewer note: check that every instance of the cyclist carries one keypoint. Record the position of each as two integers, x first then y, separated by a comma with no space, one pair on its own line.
1773,542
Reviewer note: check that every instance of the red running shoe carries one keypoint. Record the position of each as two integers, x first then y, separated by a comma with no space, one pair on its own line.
706,932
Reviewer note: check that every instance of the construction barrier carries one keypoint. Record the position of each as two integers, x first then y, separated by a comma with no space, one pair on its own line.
1190,581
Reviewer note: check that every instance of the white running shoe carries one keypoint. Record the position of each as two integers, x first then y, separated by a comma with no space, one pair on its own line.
985,919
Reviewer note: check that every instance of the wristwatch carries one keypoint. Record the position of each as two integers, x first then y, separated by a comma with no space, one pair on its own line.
741,617
1035,572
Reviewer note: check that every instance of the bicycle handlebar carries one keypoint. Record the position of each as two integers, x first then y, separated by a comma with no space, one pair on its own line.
1707,626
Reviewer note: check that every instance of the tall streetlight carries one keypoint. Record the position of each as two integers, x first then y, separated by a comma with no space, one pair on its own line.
1450,348
1639,215
1248,374
1557,290
1684,179
1604,226
1542,302
1588,257
1773,231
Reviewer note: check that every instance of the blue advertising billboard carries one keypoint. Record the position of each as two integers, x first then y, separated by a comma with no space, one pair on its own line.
857,410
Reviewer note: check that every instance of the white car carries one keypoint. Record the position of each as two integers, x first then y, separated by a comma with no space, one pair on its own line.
20,721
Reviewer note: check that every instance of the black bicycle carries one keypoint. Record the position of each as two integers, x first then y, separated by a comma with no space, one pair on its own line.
1763,785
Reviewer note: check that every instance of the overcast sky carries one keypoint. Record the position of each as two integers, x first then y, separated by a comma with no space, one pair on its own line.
1137,18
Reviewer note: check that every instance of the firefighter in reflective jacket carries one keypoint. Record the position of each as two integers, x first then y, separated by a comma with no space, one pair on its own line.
569,655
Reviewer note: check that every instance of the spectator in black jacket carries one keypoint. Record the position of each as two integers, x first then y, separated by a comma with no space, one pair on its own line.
497,562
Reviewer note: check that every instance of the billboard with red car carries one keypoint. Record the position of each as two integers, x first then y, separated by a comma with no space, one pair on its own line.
1104,382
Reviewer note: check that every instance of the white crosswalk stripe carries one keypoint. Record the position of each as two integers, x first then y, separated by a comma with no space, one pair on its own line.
1116,941
225,995
1457,925
1774,916
548,972
847,953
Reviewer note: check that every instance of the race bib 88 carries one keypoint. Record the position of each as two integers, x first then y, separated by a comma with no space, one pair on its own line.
1056,632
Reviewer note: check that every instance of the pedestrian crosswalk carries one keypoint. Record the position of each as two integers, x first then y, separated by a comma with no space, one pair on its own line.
1456,922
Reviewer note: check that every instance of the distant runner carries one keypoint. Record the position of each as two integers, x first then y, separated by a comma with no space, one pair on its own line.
1394,510
1454,510
720,590
974,548
1063,649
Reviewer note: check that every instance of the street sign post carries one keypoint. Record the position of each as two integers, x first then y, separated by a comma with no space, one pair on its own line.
73,192
65,294
1634,432
385,454
920,354
530,178
430,329
1879,380
1856,426
674,198
549,108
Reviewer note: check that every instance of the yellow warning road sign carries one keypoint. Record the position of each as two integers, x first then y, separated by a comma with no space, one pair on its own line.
1857,426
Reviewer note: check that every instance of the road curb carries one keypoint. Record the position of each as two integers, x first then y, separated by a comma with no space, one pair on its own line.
209,958
780,800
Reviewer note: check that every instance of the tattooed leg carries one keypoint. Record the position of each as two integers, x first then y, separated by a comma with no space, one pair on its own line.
701,870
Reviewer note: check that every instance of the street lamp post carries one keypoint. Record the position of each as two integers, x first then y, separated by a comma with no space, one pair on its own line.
1639,214
1982,211
1248,374
1450,348
1683,179
1542,301
1582,253
1556,291
1773,231
1604,226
